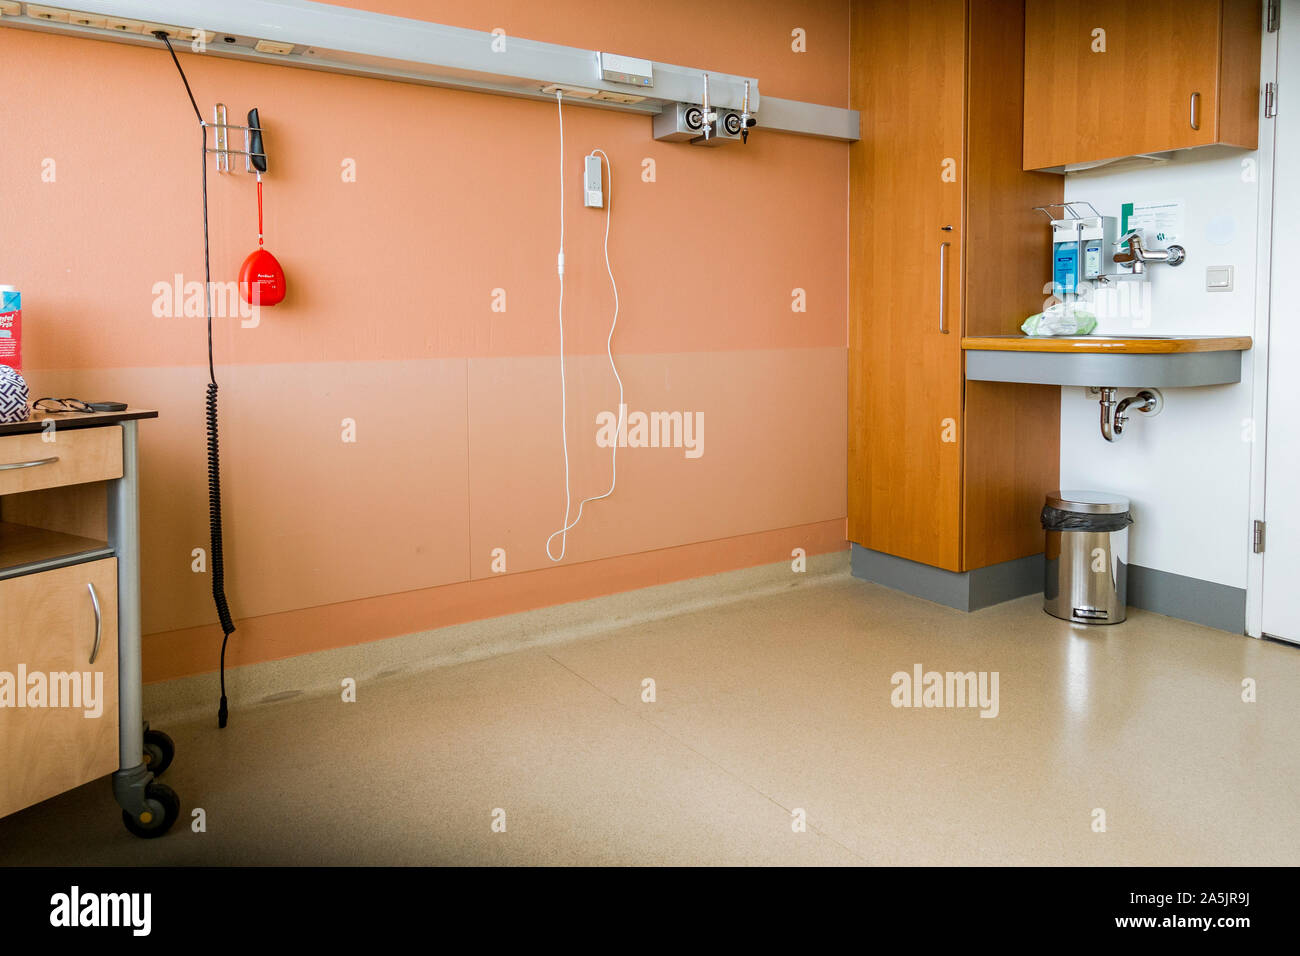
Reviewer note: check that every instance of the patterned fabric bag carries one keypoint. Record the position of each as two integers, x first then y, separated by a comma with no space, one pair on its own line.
13,396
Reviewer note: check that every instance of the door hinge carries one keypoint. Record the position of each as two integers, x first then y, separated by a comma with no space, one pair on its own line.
1270,100
1274,13
1259,537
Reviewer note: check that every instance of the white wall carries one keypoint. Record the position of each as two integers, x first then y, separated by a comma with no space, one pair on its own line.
1187,471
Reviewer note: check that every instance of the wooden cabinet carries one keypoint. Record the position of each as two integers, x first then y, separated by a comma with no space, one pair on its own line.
943,240
66,732
905,260
70,616
1116,78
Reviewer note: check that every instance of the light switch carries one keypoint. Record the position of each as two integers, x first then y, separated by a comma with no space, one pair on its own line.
1218,278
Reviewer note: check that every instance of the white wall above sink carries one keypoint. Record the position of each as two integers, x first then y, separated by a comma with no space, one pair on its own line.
1219,188
1187,471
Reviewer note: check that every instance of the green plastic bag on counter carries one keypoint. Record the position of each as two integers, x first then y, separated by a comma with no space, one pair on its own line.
1063,318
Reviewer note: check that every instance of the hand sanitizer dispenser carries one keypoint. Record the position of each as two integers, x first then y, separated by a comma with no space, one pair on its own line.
1066,256
1097,242
1081,246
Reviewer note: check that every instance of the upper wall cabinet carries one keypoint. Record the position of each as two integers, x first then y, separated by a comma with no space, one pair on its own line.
1116,78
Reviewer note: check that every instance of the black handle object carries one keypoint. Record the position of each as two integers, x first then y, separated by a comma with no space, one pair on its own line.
257,153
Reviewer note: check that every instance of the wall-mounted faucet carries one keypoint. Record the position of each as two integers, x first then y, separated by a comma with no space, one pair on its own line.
1114,415
1137,256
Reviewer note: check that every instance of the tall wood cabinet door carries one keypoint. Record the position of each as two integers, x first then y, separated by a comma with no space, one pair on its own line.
905,266
47,636
1010,437
1113,78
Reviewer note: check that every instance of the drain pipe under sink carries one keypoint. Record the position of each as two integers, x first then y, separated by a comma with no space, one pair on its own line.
1114,415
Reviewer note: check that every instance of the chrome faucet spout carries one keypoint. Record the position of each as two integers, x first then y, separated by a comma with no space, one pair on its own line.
1137,255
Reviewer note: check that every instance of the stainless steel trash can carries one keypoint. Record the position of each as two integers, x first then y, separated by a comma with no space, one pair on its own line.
1086,577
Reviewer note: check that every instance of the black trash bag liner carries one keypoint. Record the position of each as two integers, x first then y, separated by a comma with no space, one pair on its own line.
1054,519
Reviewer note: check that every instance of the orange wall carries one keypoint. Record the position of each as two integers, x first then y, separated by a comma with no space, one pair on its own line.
389,322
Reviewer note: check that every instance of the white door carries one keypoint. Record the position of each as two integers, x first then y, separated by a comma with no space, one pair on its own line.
1281,591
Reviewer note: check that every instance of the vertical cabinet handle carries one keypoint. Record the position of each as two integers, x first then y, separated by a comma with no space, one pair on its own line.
1195,118
943,284
99,621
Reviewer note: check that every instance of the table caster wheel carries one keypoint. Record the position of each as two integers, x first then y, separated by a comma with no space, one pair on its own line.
162,807
158,751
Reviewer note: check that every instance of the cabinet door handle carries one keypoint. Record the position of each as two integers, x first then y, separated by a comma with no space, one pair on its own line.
99,621
943,276
1195,117
14,466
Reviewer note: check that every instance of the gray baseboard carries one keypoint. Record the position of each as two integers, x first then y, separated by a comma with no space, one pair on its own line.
1162,592
250,685
964,590
1191,599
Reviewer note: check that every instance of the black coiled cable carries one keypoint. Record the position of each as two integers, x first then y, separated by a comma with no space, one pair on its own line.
218,564
217,556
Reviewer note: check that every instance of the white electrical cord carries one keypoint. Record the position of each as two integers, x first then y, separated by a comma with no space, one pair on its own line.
563,533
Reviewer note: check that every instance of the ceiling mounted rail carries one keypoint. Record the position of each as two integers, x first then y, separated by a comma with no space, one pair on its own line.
319,36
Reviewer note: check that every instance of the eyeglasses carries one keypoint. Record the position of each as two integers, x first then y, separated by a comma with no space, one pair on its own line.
60,405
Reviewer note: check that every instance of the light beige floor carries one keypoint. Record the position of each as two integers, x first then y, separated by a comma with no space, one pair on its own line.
778,704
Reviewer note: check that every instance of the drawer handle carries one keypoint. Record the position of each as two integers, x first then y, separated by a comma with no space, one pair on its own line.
14,466
99,621
1195,118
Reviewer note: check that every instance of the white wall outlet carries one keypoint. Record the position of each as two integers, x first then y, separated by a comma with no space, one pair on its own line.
593,193
1218,278
125,26
88,20
10,8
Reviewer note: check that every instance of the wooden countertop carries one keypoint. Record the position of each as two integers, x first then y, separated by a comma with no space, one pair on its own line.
1107,343
37,421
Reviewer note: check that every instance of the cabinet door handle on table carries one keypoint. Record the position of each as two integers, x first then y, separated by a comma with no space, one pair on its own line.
99,620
